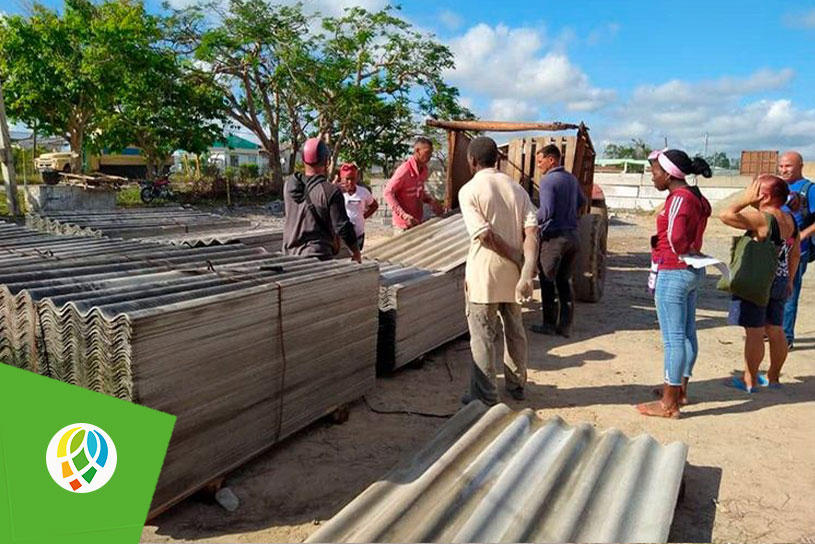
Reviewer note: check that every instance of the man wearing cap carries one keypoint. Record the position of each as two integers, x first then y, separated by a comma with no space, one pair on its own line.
359,202
405,192
315,210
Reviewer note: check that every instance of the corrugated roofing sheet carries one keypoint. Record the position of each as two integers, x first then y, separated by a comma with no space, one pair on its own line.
495,475
439,244
245,347
132,222
269,238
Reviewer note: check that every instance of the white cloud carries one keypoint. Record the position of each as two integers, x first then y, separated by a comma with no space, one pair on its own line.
509,109
684,112
804,20
681,93
510,63
450,19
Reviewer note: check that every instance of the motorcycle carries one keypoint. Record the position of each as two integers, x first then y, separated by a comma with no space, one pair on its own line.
160,188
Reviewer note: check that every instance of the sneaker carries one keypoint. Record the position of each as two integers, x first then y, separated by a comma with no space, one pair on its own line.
517,394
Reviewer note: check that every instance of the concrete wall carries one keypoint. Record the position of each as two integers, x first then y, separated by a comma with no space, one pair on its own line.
637,192
55,198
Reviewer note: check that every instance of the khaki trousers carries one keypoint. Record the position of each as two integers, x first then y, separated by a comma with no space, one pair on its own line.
482,320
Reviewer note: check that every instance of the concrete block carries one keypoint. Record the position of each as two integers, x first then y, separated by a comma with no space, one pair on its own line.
55,198
619,191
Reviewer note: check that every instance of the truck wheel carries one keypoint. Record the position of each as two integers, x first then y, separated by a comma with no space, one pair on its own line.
146,195
590,272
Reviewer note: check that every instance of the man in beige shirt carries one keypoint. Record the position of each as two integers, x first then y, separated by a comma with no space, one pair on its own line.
500,220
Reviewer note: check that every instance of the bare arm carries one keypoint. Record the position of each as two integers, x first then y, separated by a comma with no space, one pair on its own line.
808,232
735,215
493,241
371,209
794,260
523,291
437,208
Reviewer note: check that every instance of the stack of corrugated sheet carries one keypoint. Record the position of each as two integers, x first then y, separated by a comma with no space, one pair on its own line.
133,222
421,298
494,475
244,347
20,246
269,238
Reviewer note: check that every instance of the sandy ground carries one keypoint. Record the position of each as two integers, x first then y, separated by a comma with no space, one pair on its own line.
751,468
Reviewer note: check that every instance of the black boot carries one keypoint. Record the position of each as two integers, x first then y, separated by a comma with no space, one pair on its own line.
564,327
549,320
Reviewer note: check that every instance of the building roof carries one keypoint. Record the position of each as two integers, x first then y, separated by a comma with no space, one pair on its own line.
235,142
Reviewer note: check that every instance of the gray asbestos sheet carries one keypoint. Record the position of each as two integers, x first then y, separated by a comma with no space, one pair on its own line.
497,475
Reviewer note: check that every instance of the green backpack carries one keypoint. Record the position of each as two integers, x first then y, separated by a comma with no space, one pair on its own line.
752,266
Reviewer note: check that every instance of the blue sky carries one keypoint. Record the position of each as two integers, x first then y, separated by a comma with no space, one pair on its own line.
740,71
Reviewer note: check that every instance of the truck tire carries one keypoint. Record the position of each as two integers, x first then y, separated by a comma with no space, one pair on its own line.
50,178
590,272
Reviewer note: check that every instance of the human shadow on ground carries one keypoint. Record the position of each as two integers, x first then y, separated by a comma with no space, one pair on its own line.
702,393
696,509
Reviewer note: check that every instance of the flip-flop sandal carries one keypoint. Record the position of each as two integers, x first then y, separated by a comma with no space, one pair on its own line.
764,381
738,383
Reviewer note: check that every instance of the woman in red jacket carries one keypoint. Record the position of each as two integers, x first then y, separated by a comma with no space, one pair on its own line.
680,228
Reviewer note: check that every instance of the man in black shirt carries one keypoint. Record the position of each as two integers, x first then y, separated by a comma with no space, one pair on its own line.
315,210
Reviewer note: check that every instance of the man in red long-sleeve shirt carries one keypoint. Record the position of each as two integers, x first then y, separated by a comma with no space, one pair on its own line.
405,192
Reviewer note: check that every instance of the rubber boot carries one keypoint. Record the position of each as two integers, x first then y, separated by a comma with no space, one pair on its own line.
549,320
564,327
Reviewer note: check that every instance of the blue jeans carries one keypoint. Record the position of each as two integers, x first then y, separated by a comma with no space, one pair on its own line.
675,295
791,306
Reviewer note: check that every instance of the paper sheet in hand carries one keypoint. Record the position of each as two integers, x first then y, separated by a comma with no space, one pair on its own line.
702,261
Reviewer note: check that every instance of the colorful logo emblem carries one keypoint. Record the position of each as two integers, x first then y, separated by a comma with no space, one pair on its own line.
81,458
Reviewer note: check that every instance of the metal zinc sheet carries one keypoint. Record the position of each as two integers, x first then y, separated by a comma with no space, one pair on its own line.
439,244
496,475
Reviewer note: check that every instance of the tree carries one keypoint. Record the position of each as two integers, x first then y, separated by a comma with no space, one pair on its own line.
159,104
250,53
719,158
372,80
637,150
58,69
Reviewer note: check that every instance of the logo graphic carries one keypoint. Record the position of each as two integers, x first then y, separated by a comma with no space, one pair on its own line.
81,458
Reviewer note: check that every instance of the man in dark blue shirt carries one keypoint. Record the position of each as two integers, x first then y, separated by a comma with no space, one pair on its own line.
802,193
560,201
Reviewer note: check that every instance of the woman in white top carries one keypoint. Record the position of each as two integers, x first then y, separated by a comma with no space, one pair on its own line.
359,202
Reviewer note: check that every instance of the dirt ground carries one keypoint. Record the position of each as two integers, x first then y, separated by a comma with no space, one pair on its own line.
751,467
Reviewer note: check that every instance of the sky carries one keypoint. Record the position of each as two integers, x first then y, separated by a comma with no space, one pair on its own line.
738,72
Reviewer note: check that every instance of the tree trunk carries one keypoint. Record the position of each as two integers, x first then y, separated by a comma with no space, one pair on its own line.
76,139
274,166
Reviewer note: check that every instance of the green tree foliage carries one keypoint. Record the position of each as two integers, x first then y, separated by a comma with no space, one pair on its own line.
719,159
252,51
104,76
362,81
637,149
376,77
56,68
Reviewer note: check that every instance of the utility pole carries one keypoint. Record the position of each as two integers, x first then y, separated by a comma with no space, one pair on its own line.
7,160
706,138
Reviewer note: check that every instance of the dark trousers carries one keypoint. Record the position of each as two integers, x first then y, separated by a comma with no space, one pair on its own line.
556,261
